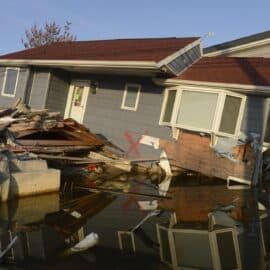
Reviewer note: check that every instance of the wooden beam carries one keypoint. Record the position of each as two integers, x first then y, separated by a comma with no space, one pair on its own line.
51,142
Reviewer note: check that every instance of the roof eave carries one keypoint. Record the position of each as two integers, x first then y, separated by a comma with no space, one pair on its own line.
238,48
163,64
244,88
80,63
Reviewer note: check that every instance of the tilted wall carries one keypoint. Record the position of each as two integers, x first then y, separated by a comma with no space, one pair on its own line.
104,115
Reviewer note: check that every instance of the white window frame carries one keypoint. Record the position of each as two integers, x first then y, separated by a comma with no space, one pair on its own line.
4,82
163,107
218,112
240,114
123,107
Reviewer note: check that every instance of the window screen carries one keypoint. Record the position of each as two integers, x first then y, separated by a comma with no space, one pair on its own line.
130,99
169,106
197,109
230,114
10,82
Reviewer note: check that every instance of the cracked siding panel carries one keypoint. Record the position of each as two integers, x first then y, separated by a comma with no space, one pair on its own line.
20,89
39,89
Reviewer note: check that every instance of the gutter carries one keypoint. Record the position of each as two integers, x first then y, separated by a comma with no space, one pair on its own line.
81,63
243,88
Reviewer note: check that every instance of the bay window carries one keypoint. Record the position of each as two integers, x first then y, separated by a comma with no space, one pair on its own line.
218,112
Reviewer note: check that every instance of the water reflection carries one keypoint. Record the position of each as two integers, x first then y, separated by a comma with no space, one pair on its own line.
201,227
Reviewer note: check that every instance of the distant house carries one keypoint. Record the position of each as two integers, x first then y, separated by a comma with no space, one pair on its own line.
206,111
257,45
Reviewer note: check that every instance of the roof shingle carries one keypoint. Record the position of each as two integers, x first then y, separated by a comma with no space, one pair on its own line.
151,49
248,71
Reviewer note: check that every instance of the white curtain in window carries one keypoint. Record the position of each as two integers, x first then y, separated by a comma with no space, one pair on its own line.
197,109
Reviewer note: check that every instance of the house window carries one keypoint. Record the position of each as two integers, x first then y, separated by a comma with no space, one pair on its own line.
197,109
131,97
10,82
218,112
230,114
168,106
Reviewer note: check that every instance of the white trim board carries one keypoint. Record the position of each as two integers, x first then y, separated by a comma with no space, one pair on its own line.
241,88
171,57
70,96
81,63
238,48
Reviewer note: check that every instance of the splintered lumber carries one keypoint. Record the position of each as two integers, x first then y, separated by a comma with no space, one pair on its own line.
51,143
122,165
40,131
69,158
52,149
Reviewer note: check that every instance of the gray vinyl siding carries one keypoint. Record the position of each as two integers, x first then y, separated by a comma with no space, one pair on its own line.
20,88
39,89
104,114
254,115
57,93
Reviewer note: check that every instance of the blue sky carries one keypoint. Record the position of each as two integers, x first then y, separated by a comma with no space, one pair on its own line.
107,19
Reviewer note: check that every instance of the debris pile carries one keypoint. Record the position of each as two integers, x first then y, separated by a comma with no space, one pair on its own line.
39,131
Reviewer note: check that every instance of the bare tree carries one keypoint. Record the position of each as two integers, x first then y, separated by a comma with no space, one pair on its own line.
50,32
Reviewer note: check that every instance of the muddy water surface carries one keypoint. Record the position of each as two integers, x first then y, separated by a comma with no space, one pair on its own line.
183,234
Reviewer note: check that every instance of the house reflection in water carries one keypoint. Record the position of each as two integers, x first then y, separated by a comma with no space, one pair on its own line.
43,226
187,240
213,228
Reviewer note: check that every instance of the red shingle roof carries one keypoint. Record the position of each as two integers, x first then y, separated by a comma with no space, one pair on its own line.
251,71
153,49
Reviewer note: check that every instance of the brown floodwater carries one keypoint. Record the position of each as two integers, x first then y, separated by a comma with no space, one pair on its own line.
180,235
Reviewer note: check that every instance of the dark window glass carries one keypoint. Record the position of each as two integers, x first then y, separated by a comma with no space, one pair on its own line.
230,114
131,96
10,83
169,106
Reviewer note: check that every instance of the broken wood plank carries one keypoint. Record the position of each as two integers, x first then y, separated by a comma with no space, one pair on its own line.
86,160
51,142
121,164
52,149
23,133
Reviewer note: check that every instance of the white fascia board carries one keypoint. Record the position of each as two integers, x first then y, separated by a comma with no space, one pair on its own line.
171,57
239,48
243,88
81,63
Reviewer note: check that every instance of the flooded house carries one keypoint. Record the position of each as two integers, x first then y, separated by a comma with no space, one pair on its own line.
218,110
107,85
209,114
